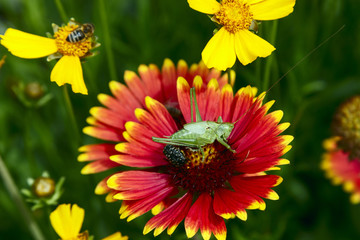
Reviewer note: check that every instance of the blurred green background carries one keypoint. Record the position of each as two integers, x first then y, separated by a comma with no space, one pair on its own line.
33,140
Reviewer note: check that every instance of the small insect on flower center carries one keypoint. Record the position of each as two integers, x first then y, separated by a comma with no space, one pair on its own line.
78,48
203,173
234,15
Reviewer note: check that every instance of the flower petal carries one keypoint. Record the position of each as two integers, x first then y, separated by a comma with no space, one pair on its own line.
219,52
271,9
227,203
249,46
205,6
258,185
171,217
68,70
67,221
116,236
26,45
202,215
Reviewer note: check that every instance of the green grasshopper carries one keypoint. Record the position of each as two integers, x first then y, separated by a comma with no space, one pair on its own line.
197,134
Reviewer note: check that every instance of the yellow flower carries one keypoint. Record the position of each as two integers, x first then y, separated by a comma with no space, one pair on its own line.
68,68
237,18
67,221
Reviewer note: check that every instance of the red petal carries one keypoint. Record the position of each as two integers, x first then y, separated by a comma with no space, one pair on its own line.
139,207
152,81
228,203
137,161
103,133
169,80
133,180
171,217
202,215
124,96
161,116
96,152
98,166
258,185
108,117
101,187
182,68
135,85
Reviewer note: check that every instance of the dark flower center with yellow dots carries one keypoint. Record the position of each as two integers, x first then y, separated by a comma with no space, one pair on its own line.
234,15
346,124
204,173
79,49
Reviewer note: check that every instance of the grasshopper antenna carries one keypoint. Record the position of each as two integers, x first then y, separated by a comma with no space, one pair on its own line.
193,99
306,56
262,96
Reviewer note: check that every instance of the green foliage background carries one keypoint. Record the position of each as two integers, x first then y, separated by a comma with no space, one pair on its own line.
33,140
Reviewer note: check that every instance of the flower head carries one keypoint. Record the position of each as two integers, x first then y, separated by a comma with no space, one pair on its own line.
341,162
236,19
67,221
211,184
108,123
69,43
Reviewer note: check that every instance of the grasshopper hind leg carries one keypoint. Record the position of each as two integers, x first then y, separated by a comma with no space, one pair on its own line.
225,144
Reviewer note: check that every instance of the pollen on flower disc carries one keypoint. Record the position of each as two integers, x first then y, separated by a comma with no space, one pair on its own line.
346,124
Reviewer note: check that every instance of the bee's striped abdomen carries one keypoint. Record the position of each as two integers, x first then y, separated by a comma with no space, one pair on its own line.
75,36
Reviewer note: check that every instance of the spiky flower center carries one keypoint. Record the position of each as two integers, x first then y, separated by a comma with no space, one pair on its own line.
204,173
234,15
346,124
79,49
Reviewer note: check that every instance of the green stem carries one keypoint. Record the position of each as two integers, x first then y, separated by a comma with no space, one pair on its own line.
107,39
70,110
61,10
15,195
270,59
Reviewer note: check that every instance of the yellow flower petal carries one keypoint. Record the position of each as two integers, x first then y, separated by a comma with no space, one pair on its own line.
26,45
205,6
219,52
67,222
68,70
249,46
272,9
116,236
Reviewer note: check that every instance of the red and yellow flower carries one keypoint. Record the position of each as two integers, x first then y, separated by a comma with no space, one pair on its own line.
68,69
341,162
237,19
206,189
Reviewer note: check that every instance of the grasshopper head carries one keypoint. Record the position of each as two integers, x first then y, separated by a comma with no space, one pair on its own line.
225,129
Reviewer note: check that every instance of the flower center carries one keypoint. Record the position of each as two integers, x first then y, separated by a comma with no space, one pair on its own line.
346,124
234,15
204,173
79,48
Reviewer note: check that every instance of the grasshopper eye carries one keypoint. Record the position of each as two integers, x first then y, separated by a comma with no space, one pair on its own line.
174,155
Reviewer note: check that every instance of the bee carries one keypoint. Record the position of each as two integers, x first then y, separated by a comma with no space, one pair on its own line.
86,30
174,155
